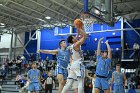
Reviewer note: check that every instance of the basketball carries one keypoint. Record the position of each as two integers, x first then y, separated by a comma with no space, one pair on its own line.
78,23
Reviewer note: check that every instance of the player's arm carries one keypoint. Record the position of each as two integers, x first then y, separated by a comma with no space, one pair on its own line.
81,41
109,50
49,51
99,46
39,77
125,80
112,80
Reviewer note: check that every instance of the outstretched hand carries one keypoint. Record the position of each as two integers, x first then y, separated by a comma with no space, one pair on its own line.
101,39
39,51
106,42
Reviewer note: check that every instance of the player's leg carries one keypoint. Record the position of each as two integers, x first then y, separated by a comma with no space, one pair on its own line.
61,82
97,85
75,86
31,88
80,85
70,81
36,87
96,90
105,85
60,78
67,85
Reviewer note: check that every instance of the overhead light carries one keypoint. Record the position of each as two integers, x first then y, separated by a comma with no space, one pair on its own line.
41,19
114,33
1,4
48,17
95,39
97,12
2,25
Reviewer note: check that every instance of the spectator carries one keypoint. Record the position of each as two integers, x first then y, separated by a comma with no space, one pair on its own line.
135,54
52,71
126,46
18,77
18,64
50,65
22,81
131,87
136,46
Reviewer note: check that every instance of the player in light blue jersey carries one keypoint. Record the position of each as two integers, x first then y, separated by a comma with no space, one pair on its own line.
34,79
63,59
119,80
102,68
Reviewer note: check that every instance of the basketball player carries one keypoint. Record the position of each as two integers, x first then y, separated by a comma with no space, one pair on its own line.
63,58
34,79
77,69
118,78
102,68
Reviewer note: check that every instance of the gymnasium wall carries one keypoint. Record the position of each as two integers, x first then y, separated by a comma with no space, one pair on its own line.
6,41
49,39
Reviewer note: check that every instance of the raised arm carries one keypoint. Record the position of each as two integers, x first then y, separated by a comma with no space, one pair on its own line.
54,52
109,50
99,46
81,41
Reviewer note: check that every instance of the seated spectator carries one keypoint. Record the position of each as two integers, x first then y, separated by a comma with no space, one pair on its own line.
22,81
18,77
45,75
3,72
132,87
50,65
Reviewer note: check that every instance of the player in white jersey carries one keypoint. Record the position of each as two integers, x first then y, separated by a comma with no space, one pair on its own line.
77,70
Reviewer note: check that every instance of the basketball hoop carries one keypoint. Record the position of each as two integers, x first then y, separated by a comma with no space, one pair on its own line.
88,21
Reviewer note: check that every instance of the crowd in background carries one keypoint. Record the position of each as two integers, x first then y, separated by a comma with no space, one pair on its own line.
48,66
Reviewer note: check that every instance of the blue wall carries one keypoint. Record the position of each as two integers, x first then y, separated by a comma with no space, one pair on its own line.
50,41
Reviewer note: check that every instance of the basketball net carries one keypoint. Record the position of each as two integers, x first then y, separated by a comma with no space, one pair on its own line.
87,21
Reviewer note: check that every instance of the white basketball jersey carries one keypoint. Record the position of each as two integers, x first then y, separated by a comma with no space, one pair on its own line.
76,55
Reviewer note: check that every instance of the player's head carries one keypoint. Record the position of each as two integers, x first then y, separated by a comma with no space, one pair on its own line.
49,74
34,65
104,54
62,43
118,67
71,39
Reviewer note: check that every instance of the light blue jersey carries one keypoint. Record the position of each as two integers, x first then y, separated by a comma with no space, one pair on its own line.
102,71
103,66
118,82
33,75
63,58
118,78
